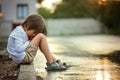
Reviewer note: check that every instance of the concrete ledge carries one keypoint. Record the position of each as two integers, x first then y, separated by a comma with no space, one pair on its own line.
27,72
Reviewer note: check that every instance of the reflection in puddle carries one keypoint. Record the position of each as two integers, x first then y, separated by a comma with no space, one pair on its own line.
107,71
102,75
84,66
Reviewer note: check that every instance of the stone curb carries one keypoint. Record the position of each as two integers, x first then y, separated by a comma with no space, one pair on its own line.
27,72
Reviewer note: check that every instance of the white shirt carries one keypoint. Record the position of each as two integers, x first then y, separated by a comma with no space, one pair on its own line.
17,43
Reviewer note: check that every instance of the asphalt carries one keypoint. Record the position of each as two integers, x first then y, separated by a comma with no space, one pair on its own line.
88,56
91,57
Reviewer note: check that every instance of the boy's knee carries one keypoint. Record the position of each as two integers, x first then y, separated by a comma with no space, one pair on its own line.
41,35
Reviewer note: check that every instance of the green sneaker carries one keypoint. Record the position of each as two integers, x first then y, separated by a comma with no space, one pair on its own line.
64,64
55,66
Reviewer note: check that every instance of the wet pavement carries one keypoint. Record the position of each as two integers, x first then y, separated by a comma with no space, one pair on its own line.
87,56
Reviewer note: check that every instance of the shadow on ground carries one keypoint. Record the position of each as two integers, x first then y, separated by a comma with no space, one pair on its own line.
114,57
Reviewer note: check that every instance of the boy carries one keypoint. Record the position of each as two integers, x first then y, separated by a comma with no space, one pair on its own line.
25,39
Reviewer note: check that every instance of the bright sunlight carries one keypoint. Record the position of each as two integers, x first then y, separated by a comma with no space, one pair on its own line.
50,3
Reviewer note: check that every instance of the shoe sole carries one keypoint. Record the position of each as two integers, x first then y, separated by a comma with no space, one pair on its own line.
54,69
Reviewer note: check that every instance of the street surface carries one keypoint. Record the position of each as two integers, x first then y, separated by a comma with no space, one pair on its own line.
85,55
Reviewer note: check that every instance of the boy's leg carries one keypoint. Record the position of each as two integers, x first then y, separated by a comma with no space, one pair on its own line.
30,54
40,41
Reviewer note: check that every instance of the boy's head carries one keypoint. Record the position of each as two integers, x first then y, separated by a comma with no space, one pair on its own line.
35,22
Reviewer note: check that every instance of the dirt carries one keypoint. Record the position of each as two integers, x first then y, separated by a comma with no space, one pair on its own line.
8,69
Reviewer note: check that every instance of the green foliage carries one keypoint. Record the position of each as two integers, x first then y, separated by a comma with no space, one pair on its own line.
39,1
109,13
111,16
72,9
45,12
76,9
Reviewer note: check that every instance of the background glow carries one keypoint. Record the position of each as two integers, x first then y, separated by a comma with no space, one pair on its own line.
49,3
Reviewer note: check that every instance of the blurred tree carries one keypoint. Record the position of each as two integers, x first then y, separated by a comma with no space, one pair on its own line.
110,16
44,12
39,1
76,9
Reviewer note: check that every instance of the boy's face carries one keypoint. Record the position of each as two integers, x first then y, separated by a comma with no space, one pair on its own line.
31,33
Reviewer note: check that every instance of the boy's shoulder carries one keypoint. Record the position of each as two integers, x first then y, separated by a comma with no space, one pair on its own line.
18,31
18,27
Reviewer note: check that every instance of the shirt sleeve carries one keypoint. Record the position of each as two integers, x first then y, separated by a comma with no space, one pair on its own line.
20,45
20,40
